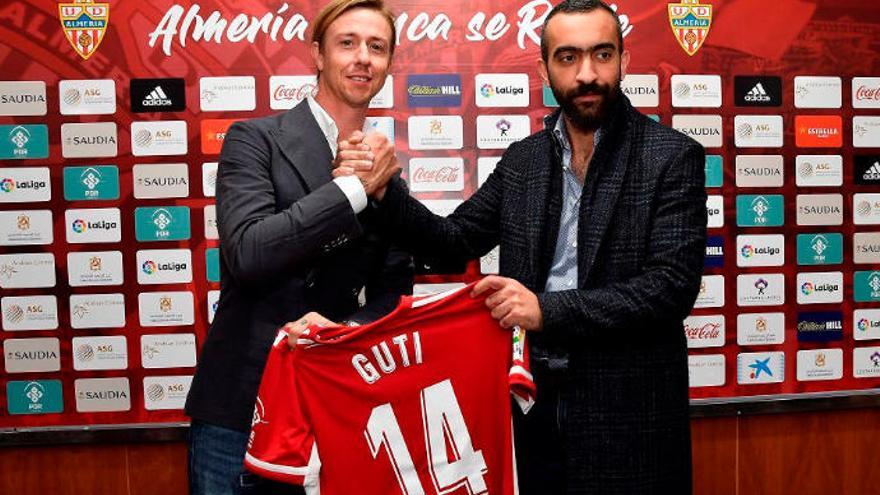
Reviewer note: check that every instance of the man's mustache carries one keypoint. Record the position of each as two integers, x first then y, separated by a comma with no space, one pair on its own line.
588,89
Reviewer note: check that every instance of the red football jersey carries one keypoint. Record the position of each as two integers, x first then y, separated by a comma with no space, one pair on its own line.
415,403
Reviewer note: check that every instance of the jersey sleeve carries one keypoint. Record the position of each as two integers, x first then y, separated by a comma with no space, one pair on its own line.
522,387
281,445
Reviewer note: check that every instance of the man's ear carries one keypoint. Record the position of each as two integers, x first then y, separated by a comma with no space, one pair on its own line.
317,56
542,71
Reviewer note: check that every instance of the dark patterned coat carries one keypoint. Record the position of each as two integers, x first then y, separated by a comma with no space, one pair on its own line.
641,242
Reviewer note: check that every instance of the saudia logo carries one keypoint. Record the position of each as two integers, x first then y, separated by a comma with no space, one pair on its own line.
90,140
638,90
701,131
103,395
21,99
820,210
31,355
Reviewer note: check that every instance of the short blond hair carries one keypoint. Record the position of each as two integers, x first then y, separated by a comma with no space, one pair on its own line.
336,8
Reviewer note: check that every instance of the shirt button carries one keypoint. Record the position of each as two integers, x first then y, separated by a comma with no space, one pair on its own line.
569,283
574,244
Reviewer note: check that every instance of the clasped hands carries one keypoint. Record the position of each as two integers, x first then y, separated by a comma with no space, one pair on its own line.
370,157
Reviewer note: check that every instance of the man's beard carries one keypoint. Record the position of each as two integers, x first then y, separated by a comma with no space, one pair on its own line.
587,118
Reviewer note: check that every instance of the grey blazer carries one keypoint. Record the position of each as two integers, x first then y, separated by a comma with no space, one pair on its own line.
641,242
289,243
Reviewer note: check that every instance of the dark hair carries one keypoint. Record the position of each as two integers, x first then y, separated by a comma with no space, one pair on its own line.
579,7
336,8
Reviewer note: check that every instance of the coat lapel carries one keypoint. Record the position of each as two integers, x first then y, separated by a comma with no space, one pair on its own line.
539,214
304,145
604,181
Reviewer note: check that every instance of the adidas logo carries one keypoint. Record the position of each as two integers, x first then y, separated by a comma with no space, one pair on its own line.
872,173
157,98
757,94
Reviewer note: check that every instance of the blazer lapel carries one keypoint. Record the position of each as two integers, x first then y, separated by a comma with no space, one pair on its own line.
604,181
542,211
304,145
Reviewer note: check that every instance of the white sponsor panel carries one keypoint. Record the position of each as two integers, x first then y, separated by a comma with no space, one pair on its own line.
866,324
760,328
25,227
29,313
20,98
89,225
385,97
489,262
704,331
819,287
819,209
382,125
866,209
102,394
866,92
436,174
705,129
711,292
158,138
818,170
286,92
27,270
866,132
757,131
209,179
442,207
87,268
37,355
25,185
703,91
164,180
817,92
759,171
764,289
164,266
485,166
97,139
501,90
760,250
866,362
819,364
497,132
97,311
163,309
211,222
213,300
435,132
643,90
706,370
171,350
219,94
165,392
100,353
87,96
866,248
760,367
715,211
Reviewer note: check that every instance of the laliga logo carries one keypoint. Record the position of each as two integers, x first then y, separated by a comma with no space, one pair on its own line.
149,267
747,251
7,185
863,324
807,288
487,90
79,226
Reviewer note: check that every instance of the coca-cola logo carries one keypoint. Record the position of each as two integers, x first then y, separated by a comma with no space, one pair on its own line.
438,175
705,332
866,93
297,93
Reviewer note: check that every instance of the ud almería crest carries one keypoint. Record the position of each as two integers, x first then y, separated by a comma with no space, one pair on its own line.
690,21
85,23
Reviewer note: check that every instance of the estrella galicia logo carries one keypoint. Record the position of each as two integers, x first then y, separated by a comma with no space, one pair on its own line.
714,252
433,90
158,95
820,326
867,170
757,91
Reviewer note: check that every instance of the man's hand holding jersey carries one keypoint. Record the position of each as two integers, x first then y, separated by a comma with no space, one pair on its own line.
296,328
511,303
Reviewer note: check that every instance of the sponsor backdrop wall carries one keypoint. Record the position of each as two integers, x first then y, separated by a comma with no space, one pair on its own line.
112,116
